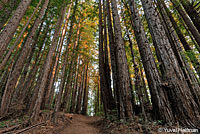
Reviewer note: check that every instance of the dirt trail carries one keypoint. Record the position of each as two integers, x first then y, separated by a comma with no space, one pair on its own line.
81,125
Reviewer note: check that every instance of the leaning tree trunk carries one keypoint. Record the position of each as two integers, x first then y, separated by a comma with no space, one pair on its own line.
7,56
56,64
181,58
146,96
34,68
6,11
138,82
74,93
20,62
74,56
48,62
80,91
187,21
78,83
194,15
186,46
159,101
63,76
19,89
9,30
183,105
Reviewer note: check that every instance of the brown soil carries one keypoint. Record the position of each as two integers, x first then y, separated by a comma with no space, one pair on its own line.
81,125
68,124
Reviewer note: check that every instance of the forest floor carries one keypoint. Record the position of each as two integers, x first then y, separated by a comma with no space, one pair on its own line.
67,124
80,124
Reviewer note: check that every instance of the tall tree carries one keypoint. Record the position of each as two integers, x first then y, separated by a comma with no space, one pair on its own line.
7,56
171,71
74,56
160,103
12,80
101,58
124,86
85,95
113,57
181,58
6,10
185,44
46,67
192,12
9,30
187,21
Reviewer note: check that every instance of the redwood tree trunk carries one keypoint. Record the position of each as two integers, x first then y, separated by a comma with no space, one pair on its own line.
7,56
20,62
85,96
183,105
181,58
48,62
80,91
74,57
160,103
106,60
124,83
63,76
187,21
186,46
113,57
192,12
9,30
75,86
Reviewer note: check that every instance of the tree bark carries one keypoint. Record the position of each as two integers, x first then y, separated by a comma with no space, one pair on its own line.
74,94
146,100
173,80
20,62
187,21
124,83
48,62
9,30
194,15
63,76
85,95
113,57
51,82
80,91
181,58
7,56
186,46
106,60
74,56
160,103
6,11
35,66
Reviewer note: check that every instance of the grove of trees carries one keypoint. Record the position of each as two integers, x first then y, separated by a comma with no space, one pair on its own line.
118,58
